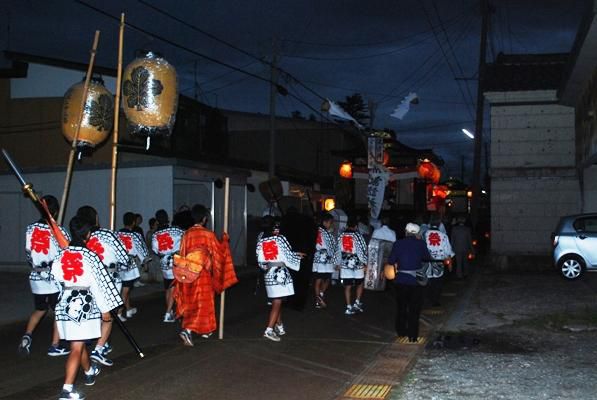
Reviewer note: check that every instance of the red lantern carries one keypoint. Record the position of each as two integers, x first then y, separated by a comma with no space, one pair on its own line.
386,158
346,170
428,170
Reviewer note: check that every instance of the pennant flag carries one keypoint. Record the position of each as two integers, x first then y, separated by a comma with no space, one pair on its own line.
337,111
404,106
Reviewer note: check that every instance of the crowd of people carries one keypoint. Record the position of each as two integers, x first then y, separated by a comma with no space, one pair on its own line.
86,277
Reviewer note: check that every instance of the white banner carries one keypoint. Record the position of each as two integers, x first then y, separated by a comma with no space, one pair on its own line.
378,179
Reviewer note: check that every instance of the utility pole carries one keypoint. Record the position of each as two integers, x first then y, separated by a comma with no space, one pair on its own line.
272,111
479,117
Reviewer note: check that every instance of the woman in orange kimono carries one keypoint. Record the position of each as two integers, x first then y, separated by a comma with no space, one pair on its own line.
195,300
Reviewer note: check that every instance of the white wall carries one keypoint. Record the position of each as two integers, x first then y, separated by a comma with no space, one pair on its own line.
590,189
140,190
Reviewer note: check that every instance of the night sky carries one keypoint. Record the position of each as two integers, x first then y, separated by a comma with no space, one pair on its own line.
381,49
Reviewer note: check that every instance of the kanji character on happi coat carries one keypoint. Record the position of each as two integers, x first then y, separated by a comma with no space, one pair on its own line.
41,248
351,254
438,245
138,255
111,251
324,259
88,293
195,300
165,242
275,256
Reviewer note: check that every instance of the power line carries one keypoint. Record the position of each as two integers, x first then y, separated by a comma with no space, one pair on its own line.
174,44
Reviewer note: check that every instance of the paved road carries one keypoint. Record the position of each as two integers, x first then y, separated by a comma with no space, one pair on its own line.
321,354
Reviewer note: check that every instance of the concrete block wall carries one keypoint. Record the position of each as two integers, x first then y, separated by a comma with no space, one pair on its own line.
530,136
524,212
533,175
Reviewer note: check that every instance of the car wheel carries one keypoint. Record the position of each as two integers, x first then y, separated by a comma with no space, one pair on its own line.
571,267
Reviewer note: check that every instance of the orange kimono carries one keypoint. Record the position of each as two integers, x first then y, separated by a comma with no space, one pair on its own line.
195,301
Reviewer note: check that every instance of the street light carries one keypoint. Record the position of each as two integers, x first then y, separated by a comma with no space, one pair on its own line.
468,133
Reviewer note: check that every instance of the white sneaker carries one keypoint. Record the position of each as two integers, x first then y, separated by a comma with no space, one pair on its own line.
122,317
358,306
138,284
130,312
349,310
279,329
271,335
169,317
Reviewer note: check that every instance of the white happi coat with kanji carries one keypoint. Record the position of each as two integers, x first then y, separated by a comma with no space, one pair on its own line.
111,251
165,243
41,248
137,252
275,256
352,255
325,251
88,291
440,249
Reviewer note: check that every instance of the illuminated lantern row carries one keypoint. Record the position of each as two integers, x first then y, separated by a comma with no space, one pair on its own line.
150,95
346,170
98,114
428,170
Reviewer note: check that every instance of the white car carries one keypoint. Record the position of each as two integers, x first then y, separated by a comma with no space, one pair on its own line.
575,245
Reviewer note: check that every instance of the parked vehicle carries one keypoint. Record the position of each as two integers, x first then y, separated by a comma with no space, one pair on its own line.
575,245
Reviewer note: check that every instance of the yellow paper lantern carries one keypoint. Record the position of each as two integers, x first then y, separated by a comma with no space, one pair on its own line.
150,95
98,114
329,204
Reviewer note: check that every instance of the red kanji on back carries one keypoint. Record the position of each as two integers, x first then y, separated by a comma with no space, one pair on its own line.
127,241
165,242
270,250
94,245
72,265
319,238
40,241
434,239
347,243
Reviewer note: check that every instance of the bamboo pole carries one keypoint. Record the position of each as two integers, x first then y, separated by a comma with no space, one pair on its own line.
73,149
116,123
223,295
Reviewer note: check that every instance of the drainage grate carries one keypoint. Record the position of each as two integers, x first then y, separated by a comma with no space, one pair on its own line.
404,340
368,391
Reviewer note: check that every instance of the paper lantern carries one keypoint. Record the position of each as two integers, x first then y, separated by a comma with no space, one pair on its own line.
98,114
428,170
386,158
150,95
346,170
329,204
389,271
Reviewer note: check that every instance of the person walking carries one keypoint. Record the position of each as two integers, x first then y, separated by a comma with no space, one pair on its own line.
438,245
351,253
462,244
324,258
407,256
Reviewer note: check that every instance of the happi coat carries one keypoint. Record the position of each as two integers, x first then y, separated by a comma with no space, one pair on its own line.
87,291
137,252
325,251
351,254
195,300
275,256
111,251
41,248
165,243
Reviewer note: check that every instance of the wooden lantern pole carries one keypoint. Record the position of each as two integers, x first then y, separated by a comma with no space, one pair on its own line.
116,123
225,230
73,149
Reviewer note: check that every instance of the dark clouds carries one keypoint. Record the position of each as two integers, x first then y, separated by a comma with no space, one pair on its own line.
383,49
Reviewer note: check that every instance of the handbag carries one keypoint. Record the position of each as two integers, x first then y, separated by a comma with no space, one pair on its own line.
186,267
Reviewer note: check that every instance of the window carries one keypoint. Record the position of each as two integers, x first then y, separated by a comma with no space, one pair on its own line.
588,224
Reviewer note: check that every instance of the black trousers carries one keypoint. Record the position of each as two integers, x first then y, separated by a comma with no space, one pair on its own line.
434,290
408,309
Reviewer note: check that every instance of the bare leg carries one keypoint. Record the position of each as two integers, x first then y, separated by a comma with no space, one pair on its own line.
55,336
347,294
360,288
73,362
106,329
317,287
275,312
325,283
85,361
169,300
125,297
34,319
